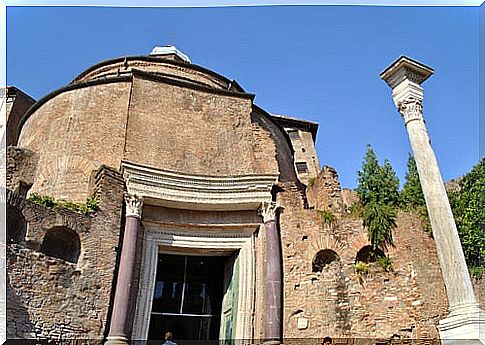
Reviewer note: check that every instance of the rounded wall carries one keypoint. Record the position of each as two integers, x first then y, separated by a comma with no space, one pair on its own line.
146,120
284,151
157,66
73,133
196,132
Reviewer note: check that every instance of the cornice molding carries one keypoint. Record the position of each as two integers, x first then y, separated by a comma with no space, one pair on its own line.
197,192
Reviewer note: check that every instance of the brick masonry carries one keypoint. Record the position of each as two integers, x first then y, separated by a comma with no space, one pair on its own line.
408,301
17,103
50,298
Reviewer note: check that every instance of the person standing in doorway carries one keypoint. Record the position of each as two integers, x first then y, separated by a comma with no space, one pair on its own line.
168,339
327,341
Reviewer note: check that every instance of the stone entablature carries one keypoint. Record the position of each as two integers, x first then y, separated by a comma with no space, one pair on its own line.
165,188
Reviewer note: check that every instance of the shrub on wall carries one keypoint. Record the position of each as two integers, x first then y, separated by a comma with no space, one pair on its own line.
378,193
90,206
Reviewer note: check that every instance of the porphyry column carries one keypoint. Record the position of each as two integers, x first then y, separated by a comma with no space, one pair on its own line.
273,286
463,323
119,327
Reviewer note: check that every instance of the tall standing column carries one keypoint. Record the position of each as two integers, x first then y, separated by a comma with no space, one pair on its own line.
119,327
405,76
273,286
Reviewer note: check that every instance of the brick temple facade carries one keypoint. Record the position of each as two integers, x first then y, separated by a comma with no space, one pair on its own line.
209,220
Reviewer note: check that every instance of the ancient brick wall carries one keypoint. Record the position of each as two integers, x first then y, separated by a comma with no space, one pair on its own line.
17,104
73,134
190,131
325,192
338,301
21,168
177,128
305,152
264,126
63,299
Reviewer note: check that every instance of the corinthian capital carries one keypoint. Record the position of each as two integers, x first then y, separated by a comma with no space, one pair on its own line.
134,205
411,109
269,210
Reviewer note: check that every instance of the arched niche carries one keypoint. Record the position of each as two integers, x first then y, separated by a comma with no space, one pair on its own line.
367,254
323,258
62,243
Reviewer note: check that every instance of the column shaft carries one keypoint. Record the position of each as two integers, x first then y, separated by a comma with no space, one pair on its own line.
464,324
450,253
273,295
119,331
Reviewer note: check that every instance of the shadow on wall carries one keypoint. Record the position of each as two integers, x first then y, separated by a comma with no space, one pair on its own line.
19,325
16,225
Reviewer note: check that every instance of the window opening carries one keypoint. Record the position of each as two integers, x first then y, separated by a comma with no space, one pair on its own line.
301,167
293,134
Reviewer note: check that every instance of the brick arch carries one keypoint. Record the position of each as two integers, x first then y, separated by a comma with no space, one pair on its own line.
358,242
328,241
323,258
62,243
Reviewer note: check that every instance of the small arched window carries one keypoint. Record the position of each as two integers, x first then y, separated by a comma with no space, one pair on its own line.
16,225
366,254
62,243
323,258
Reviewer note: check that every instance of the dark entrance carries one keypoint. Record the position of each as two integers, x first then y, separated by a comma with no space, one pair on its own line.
188,297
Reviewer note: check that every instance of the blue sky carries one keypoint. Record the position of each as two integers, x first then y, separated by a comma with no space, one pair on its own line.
320,63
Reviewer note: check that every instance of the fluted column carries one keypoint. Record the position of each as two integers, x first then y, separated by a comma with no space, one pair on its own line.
274,273
123,301
405,76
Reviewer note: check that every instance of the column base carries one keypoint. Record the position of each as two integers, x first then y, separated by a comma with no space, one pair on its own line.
464,325
116,340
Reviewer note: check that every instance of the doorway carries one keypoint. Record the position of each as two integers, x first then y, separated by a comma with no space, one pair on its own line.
188,296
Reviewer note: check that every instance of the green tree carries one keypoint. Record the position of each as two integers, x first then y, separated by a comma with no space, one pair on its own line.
379,220
468,205
378,191
389,190
412,193
412,197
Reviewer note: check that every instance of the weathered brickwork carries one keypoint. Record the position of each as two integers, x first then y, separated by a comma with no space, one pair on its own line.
21,168
17,103
219,140
338,301
73,134
51,298
68,133
325,192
